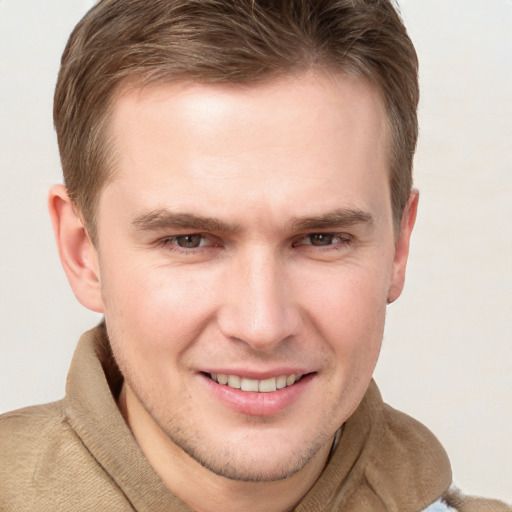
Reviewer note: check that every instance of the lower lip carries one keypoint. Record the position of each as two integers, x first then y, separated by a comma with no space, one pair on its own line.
258,404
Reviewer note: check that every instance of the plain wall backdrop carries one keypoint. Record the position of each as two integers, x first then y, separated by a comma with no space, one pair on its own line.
447,352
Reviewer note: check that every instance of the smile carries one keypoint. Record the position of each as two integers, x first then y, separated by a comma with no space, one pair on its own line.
260,386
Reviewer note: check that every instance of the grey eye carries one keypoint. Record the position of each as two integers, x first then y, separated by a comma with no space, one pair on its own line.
320,239
189,241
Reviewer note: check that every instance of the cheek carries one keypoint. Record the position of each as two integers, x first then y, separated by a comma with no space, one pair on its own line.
349,312
157,308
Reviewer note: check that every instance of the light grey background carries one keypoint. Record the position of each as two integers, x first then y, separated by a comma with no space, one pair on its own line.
447,354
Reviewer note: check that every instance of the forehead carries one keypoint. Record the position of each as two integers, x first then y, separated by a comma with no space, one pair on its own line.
332,99
308,132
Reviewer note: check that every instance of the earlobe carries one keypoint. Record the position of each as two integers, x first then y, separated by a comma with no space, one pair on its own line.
402,247
78,255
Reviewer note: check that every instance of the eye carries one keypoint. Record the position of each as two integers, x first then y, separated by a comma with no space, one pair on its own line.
189,241
193,241
323,239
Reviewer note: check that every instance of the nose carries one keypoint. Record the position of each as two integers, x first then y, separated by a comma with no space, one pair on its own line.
259,306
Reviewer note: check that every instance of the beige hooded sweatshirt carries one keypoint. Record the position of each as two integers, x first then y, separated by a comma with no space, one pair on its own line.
79,455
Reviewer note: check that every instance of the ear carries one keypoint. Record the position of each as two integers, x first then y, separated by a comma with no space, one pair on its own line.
78,256
402,247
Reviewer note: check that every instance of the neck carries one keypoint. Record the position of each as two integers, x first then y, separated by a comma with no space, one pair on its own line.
200,488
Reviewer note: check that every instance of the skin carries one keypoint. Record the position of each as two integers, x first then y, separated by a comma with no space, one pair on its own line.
290,273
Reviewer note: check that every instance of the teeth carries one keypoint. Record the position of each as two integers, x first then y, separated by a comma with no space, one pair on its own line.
262,386
249,385
234,381
267,385
281,382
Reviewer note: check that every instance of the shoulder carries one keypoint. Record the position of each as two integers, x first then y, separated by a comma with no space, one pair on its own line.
26,437
23,430
459,502
44,465
403,432
455,501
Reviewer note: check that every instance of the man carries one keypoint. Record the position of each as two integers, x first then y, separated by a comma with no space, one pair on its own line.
238,204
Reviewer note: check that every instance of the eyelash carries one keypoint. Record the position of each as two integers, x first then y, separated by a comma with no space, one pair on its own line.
341,241
172,241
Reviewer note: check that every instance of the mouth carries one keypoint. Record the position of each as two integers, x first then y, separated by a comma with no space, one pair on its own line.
260,386
258,397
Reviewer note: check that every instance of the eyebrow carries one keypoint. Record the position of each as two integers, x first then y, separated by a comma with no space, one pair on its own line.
165,219
343,217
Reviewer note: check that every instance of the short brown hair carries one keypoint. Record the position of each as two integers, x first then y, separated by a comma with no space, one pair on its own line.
237,41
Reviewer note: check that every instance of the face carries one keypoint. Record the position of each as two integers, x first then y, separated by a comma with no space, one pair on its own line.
246,254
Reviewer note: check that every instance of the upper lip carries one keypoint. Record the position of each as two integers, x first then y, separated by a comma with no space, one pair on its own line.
258,375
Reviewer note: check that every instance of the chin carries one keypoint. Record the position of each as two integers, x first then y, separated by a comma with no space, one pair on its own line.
259,462
254,471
